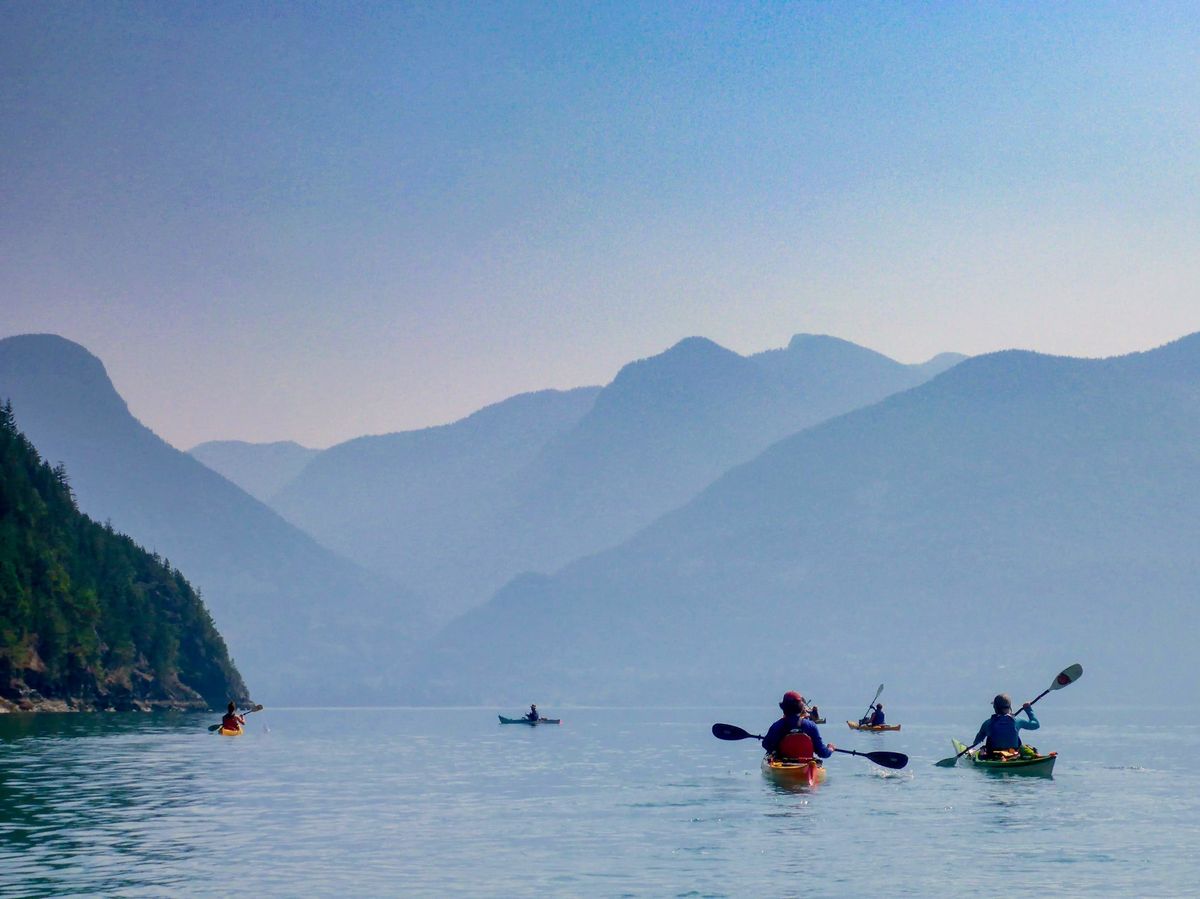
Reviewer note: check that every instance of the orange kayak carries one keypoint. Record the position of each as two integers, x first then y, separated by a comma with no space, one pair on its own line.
806,772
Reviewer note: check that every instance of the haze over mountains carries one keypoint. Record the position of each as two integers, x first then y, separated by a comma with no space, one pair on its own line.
302,624
420,505
260,469
732,531
538,480
528,482
1012,515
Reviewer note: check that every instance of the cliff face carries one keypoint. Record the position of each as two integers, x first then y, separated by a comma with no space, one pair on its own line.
291,611
88,619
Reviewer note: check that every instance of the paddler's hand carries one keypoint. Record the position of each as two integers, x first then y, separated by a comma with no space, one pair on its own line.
1026,707
830,747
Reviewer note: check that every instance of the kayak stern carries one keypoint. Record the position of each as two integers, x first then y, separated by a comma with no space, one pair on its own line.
802,773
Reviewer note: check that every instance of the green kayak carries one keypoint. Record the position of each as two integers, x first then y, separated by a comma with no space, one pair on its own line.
504,720
1042,765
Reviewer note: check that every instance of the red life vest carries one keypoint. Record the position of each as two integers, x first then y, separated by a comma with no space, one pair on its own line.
796,745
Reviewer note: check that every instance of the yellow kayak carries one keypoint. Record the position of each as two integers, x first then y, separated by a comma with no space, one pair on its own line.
807,772
231,731
871,728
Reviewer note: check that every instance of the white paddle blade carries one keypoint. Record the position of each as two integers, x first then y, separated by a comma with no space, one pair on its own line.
1068,676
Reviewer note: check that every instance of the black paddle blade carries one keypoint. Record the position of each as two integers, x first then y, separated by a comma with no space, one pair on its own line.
732,732
895,760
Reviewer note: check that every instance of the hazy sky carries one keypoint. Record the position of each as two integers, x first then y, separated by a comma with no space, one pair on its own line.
314,221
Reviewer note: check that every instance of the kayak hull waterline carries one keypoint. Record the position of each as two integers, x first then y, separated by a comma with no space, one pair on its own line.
802,773
504,720
871,728
230,732
1038,766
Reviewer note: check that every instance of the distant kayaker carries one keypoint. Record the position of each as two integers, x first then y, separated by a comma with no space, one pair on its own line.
877,718
795,722
532,714
814,714
1000,731
232,720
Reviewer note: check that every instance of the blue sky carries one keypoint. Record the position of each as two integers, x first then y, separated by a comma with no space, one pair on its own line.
313,221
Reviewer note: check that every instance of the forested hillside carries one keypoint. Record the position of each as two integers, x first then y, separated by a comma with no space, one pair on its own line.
306,626
88,619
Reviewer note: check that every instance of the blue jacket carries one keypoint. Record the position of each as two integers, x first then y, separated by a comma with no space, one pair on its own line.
1000,731
877,718
789,723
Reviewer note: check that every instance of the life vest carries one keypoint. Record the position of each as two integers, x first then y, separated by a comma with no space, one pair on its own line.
795,745
1002,734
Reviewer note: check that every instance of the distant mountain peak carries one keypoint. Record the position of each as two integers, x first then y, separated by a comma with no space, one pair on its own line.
696,345
943,360
806,341
269,445
50,351
67,375
685,360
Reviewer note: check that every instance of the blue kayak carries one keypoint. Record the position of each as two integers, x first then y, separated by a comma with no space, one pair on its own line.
504,720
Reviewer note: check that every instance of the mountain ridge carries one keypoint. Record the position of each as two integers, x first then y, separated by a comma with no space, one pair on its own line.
1012,488
663,428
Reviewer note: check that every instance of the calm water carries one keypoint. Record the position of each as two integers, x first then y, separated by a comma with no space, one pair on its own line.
612,803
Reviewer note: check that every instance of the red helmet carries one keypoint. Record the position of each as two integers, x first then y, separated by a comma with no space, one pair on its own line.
791,699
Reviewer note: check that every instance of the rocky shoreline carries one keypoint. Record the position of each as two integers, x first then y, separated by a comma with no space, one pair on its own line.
126,689
37,703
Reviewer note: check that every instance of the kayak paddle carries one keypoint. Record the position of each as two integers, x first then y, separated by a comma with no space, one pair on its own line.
1065,678
884,758
872,705
895,760
213,728
732,732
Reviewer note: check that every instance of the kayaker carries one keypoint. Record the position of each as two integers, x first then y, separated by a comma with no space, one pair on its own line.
532,714
877,716
1001,730
232,720
814,714
792,722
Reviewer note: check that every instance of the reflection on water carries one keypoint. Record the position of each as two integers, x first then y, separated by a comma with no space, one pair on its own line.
88,792
428,802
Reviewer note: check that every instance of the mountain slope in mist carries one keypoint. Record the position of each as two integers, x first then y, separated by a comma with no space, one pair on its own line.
420,504
537,481
260,469
1014,514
